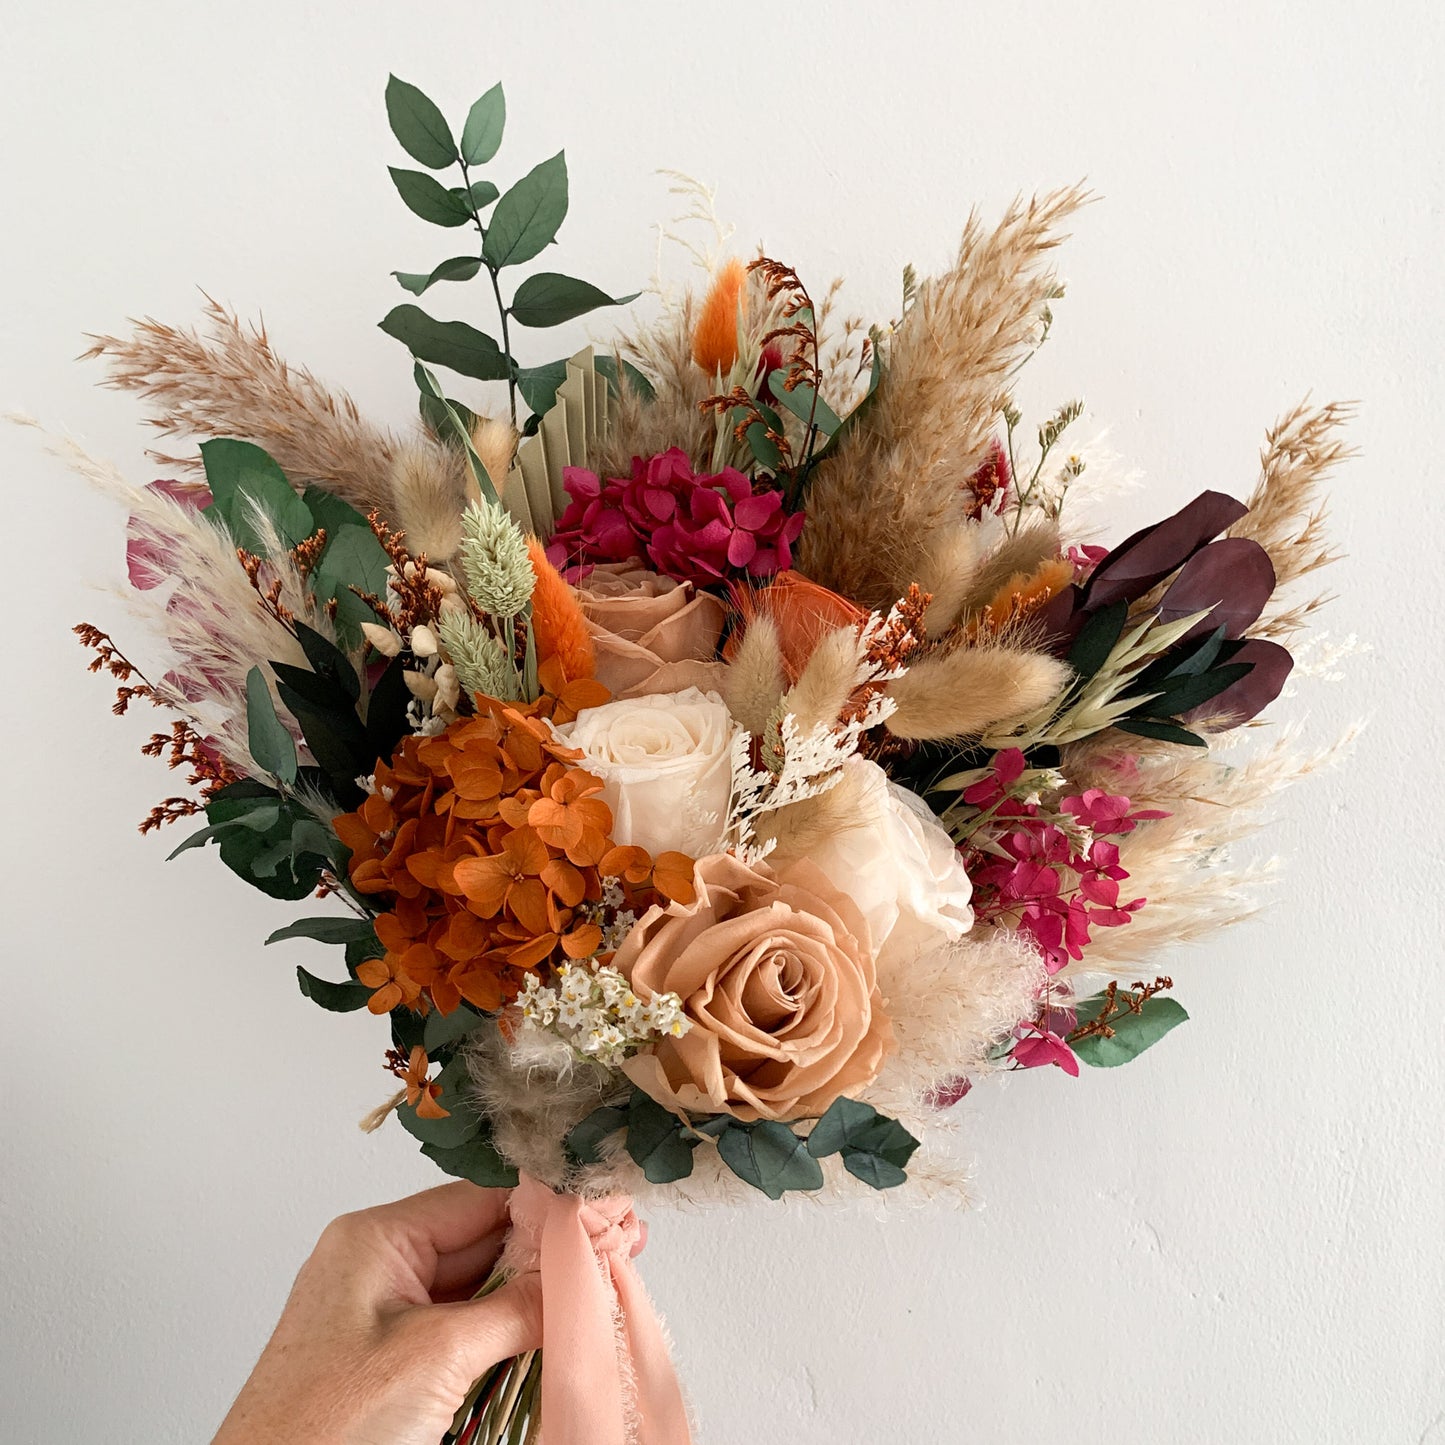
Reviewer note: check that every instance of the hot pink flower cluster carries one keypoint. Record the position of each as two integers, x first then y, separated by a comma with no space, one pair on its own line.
695,528
1057,879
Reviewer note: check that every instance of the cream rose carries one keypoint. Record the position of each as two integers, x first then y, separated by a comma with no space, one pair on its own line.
898,865
650,633
666,767
776,977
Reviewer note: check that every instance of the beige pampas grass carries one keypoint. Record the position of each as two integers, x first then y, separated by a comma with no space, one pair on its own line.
970,690
428,486
753,683
210,615
874,507
1286,510
228,382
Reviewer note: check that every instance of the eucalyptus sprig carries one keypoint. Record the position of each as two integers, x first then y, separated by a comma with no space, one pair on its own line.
524,220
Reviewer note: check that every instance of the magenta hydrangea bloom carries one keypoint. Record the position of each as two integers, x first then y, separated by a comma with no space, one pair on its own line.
704,529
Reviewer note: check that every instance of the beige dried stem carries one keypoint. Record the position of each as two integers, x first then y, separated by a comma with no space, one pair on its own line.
226,380
1287,513
897,477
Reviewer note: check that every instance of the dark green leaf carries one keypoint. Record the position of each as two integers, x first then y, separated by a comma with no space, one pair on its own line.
266,735
361,949
443,1029
607,368
770,1157
1094,644
242,479
799,401
407,1029
419,125
1164,732
459,268
340,998
428,385
584,1138
434,415
1133,1033
1190,691
260,837
549,299
325,930
386,723
875,1148
426,197
763,447
452,344
655,1142
476,1160
538,384
353,559
462,1121
528,216
328,661
482,134
329,511
874,1170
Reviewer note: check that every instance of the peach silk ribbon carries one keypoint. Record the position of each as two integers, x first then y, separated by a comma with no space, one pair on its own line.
607,1376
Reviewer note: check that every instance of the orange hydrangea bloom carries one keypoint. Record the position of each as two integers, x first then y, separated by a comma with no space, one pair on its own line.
489,847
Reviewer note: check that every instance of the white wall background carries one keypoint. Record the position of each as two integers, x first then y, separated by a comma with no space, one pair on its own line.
1236,1240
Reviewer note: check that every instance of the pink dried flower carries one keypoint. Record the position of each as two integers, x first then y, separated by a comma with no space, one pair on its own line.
695,528
1037,1047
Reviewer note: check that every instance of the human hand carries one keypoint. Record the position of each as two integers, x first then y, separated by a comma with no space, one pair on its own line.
380,1341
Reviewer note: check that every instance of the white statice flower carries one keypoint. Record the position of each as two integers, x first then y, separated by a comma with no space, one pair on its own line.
594,1011
899,866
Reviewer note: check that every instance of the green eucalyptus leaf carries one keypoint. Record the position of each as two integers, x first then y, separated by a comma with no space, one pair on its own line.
419,125
428,385
655,1141
458,268
425,196
243,480
481,194
341,998
800,402
452,344
477,1160
482,134
462,1122
528,216
873,1169
1133,1032
770,1157
583,1140
329,511
538,384
325,930
266,735
443,1029
549,299
434,415
763,447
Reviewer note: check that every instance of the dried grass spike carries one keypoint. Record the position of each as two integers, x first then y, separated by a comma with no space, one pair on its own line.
971,689
428,494
753,682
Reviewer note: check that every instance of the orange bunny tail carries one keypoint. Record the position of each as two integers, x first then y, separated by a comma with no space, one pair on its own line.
557,621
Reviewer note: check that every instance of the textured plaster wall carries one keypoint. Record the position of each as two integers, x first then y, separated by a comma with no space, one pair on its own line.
1236,1240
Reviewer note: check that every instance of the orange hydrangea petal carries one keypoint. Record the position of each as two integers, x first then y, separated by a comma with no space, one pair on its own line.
626,861
565,881
427,1106
483,882
527,903
673,875
582,942
526,852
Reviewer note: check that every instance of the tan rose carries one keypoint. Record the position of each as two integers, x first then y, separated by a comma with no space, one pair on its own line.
776,977
650,633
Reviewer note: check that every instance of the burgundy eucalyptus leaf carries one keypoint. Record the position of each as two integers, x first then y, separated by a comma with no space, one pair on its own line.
1231,579
1270,666
1060,620
1148,557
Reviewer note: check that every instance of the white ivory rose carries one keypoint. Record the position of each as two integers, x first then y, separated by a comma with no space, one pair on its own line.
898,866
666,767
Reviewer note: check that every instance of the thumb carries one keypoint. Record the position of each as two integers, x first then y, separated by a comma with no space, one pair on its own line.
504,1323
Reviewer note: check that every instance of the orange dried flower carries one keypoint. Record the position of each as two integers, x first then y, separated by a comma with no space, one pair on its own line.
557,620
715,337
1021,597
489,848
804,611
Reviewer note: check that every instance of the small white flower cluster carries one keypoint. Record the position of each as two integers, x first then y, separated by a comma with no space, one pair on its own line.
595,1011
